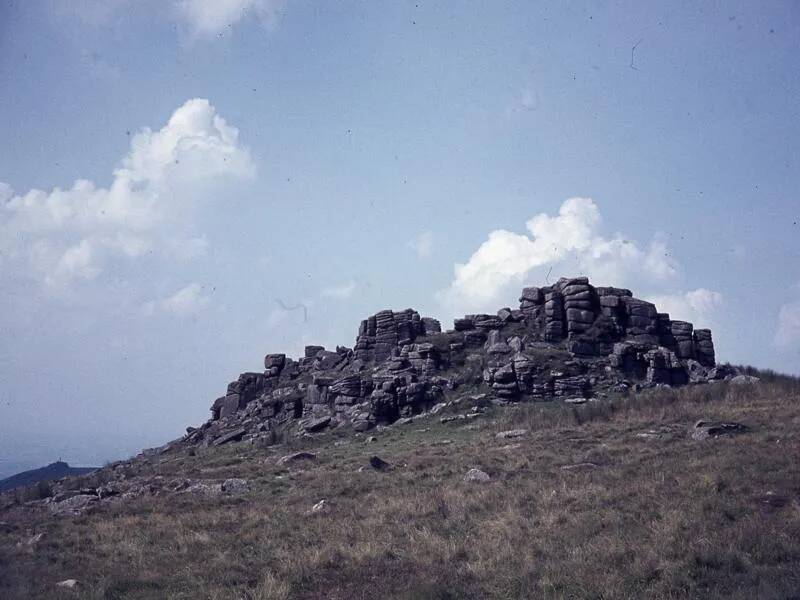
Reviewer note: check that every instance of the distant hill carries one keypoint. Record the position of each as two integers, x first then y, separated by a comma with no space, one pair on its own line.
55,470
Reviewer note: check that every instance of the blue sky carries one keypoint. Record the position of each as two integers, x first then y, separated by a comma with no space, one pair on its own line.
235,156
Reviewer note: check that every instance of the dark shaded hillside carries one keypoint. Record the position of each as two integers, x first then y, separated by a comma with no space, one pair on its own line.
53,471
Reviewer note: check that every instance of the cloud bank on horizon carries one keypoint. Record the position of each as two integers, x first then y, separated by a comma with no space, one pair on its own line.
571,243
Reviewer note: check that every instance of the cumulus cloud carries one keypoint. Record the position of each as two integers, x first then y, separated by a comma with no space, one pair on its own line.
422,244
569,242
186,302
209,17
339,292
699,306
64,235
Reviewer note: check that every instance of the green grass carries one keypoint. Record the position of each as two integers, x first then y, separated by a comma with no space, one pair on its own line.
658,517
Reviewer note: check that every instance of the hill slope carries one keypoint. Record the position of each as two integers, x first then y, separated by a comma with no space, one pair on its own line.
53,471
609,499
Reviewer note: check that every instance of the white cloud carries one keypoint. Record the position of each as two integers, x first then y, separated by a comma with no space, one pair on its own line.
422,244
65,235
569,242
788,331
187,301
700,306
340,292
526,101
204,18
209,17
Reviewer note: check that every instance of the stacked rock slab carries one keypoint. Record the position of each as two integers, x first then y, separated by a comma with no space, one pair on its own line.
569,339
380,335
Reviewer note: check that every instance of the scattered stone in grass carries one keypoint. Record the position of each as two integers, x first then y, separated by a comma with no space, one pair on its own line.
580,466
441,442
658,432
378,463
451,418
404,421
74,506
203,487
296,457
371,439
704,430
476,476
320,506
576,400
68,583
235,486
512,433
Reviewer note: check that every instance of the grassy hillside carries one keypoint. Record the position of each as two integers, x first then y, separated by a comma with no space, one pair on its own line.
609,499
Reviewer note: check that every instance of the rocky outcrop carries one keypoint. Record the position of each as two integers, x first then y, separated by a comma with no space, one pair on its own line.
570,340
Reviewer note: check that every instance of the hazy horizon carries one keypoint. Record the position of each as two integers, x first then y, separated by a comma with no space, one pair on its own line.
176,176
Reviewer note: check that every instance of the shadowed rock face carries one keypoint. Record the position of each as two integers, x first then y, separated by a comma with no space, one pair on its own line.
568,340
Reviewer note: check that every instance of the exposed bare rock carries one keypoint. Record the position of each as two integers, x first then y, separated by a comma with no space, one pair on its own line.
569,340
513,433
296,457
74,505
379,464
476,476
235,486
703,430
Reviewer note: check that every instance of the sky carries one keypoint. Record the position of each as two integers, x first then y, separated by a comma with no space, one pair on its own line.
187,185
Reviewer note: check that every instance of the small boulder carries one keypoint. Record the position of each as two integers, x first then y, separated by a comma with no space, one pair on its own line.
68,583
233,436
320,506
296,457
575,400
513,433
235,486
703,430
314,425
379,464
476,476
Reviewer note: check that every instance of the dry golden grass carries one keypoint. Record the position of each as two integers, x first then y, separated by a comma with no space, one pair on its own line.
657,517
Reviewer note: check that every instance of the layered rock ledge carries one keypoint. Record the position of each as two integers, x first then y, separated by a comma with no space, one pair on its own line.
564,341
